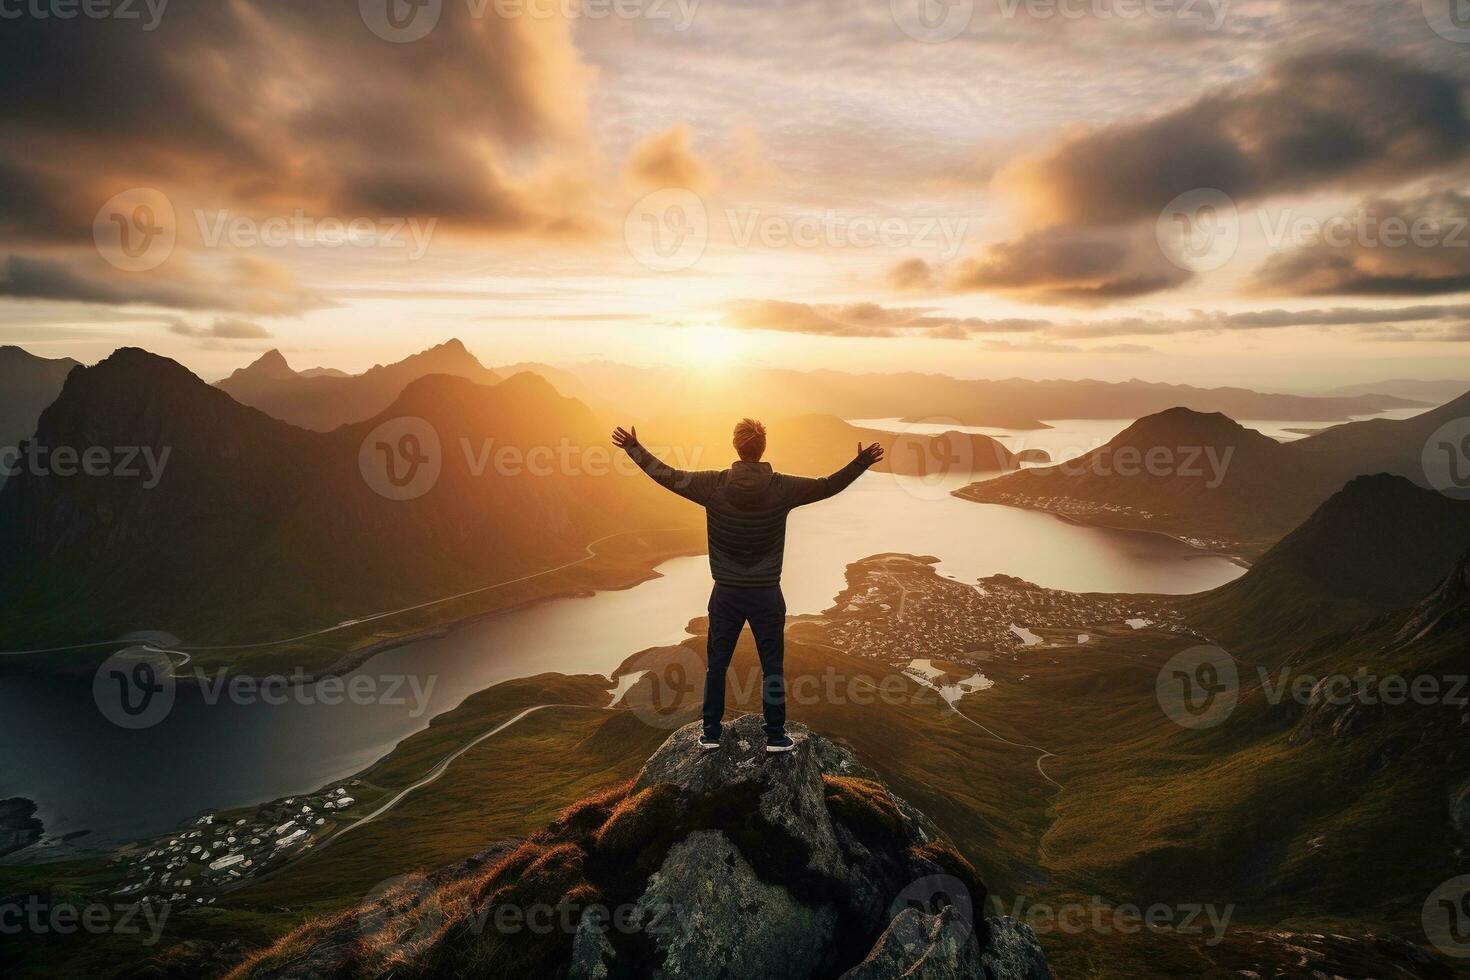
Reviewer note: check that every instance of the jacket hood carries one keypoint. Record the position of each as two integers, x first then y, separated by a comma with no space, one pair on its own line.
748,481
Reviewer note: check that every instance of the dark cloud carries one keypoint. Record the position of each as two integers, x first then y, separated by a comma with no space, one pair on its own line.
1320,118
1064,265
866,320
223,328
274,104
250,286
1415,247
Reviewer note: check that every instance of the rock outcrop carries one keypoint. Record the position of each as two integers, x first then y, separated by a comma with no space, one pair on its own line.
19,827
726,864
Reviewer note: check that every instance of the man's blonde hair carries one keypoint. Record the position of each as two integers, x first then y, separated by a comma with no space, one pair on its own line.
750,440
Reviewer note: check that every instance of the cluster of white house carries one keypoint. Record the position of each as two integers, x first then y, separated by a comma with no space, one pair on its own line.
213,853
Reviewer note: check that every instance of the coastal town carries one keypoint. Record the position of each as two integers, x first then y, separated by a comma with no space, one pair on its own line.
898,607
215,852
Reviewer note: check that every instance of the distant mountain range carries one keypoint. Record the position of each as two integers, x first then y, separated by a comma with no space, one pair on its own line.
820,444
27,385
323,399
300,524
307,524
1208,477
1013,404
1433,392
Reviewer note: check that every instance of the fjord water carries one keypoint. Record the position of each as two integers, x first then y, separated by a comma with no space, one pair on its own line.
87,774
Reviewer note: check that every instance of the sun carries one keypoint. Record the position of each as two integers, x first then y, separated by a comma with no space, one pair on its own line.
710,346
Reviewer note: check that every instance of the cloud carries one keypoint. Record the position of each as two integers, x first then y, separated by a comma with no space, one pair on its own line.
1414,247
1365,323
1340,116
1434,322
911,275
223,328
1093,200
269,105
865,320
1040,346
1064,265
666,160
248,285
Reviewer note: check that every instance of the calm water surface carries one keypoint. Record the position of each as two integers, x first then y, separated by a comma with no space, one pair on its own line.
87,774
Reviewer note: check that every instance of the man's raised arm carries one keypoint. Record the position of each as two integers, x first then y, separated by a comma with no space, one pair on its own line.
806,490
693,486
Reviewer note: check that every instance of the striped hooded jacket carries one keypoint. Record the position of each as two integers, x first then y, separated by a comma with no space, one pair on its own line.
746,508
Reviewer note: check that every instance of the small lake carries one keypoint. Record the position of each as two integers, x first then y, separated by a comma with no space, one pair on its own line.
87,774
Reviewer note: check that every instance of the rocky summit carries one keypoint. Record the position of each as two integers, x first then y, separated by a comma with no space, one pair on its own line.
728,864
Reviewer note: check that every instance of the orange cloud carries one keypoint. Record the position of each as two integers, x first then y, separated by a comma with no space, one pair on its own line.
666,160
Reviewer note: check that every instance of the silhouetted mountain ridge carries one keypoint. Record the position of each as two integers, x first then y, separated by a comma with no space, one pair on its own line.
304,523
1379,545
323,401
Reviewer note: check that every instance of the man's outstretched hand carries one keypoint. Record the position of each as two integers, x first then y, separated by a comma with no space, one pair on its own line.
868,455
622,438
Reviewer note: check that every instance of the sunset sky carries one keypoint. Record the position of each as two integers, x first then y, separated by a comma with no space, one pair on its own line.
1209,191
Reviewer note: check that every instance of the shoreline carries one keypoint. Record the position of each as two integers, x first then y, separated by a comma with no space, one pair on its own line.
643,571
1083,521
356,659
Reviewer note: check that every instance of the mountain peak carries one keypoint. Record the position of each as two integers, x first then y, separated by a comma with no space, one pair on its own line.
1186,427
1380,539
794,865
272,363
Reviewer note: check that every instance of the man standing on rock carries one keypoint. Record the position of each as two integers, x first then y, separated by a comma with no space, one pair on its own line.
746,507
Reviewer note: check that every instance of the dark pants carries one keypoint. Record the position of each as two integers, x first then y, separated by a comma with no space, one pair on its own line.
730,608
